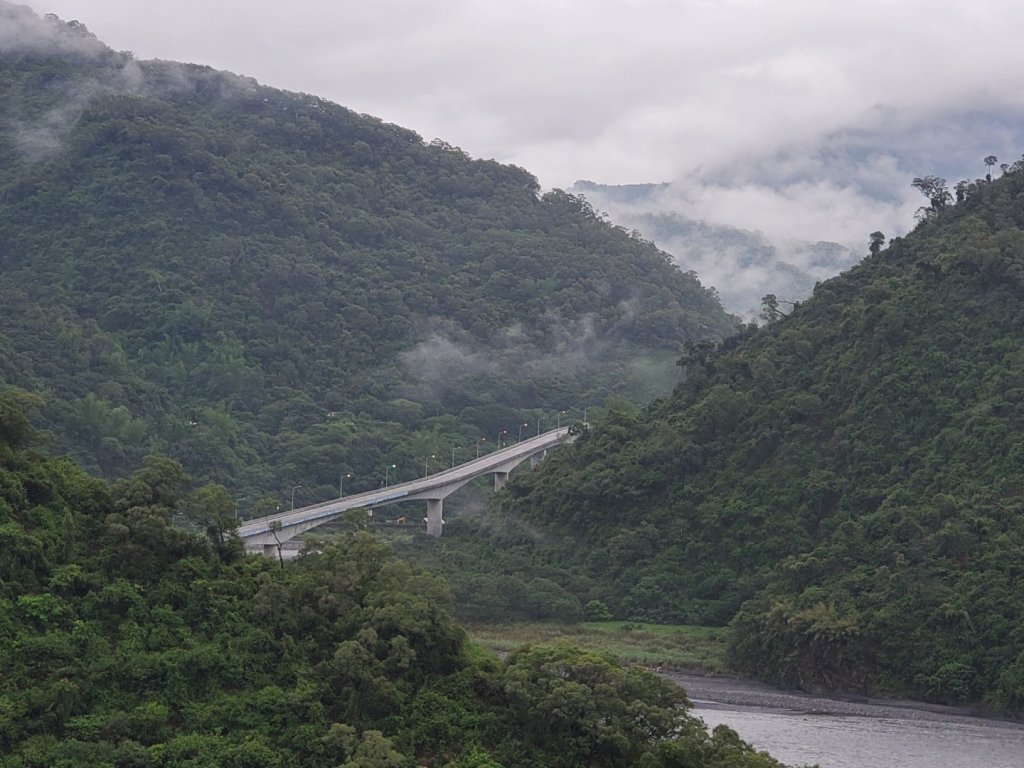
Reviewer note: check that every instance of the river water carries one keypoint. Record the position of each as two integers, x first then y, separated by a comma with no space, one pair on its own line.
808,730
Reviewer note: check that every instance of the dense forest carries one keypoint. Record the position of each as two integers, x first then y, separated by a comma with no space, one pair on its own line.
127,641
844,485
277,291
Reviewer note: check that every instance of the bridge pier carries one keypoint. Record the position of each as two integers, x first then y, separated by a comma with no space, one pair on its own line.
537,458
270,550
435,520
499,480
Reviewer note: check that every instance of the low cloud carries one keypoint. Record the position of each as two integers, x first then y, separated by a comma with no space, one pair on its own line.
448,352
769,216
615,90
22,31
39,136
556,348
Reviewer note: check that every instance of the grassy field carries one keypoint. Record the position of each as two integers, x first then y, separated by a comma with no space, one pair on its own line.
650,645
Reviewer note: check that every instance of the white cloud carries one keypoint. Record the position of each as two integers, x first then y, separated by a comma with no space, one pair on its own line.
621,90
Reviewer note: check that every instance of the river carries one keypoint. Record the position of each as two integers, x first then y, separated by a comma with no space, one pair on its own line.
802,730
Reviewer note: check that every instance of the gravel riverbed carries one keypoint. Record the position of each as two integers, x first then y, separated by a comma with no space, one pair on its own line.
711,692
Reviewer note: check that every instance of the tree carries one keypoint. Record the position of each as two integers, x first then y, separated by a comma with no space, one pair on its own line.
990,161
212,509
144,506
696,357
770,311
877,240
275,528
934,188
15,429
595,712
356,519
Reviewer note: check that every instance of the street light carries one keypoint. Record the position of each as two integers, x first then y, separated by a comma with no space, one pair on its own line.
388,468
524,424
431,456
481,440
294,487
341,485
558,422
240,498
453,457
584,417
500,433
539,420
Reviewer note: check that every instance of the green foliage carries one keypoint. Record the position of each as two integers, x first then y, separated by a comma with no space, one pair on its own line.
595,610
125,641
276,291
15,428
843,484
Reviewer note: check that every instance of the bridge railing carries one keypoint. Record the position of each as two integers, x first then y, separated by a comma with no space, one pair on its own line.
480,465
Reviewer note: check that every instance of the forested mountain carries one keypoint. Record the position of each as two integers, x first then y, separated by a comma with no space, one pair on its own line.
845,484
276,290
125,641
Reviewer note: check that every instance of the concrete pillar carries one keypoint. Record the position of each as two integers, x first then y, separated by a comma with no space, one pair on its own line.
536,458
270,550
499,480
435,522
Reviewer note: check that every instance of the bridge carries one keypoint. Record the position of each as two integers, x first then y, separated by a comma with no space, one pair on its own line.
267,533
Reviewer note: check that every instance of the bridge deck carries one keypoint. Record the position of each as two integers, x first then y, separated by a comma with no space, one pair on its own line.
435,486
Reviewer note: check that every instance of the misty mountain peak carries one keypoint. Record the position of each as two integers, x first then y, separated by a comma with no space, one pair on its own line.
23,31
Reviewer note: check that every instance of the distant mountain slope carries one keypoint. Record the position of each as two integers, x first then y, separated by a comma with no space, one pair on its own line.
277,290
743,266
780,216
851,475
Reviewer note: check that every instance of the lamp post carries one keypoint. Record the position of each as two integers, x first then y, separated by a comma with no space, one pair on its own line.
524,424
584,417
453,457
481,440
341,485
427,459
240,498
539,420
500,433
294,488
387,469
558,421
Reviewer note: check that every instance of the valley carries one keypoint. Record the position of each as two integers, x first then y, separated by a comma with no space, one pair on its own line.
548,461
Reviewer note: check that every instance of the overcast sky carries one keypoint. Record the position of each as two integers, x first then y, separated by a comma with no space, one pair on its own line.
737,100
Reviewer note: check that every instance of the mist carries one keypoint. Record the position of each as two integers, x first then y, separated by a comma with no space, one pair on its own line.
40,135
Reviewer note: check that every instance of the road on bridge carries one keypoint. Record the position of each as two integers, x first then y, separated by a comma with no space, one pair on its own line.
263,532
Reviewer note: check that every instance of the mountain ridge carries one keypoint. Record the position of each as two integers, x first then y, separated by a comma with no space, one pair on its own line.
843,484
219,266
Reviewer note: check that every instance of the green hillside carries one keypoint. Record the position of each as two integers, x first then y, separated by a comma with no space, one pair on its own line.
845,485
275,290
127,642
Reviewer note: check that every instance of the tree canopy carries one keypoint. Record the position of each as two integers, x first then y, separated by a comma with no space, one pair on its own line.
843,484
276,290
127,641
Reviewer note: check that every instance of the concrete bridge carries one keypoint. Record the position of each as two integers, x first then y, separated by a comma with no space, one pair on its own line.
266,533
